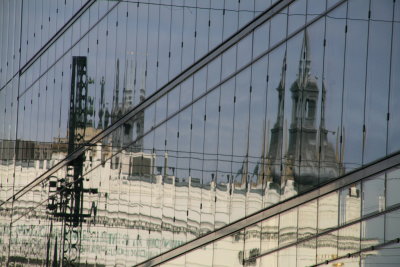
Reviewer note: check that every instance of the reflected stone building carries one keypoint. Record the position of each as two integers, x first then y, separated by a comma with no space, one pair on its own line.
199,133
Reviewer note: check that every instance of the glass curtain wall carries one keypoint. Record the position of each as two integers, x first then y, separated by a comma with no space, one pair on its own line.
356,225
295,103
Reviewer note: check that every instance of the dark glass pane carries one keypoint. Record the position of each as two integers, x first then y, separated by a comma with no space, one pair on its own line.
354,91
331,110
297,15
274,124
392,184
373,232
392,221
377,91
164,42
261,39
373,195
394,122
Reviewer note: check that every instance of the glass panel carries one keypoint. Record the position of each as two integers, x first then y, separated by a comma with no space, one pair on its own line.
173,100
216,23
261,5
352,261
189,26
330,161
240,167
213,73
377,91
350,204
293,70
358,10
314,8
287,256
373,194
245,12
349,239
261,39
200,82
257,150
196,165
270,260
186,92
231,21
385,256
327,247
252,243
306,253
161,109
397,11
182,174
164,42
381,10
288,227
278,27
297,15
269,234
152,62
392,222
307,219
244,50
229,250
392,185
210,161
394,123
225,136
175,66
176,262
204,253
354,87
274,125
373,232
312,118
229,62
202,28
328,208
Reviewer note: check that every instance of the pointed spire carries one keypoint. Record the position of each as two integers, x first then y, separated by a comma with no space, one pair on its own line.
305,60
116,89
323,105
283,73
124,97
261,171
281,90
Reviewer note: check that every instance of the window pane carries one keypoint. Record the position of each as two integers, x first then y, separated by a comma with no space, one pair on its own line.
350,204
392,186
328,207
287,227
373,194
373,232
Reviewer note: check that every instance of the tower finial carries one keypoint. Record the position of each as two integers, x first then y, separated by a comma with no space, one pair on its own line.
305,60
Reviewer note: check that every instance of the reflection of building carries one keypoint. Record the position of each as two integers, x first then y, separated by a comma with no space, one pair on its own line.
301,162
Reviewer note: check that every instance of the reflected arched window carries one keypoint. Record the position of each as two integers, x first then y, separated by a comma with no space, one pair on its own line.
310,109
